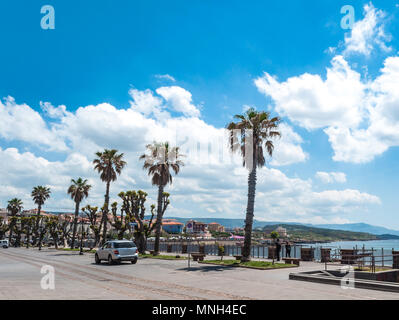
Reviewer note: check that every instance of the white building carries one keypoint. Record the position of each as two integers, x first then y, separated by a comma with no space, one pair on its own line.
4,215
282,232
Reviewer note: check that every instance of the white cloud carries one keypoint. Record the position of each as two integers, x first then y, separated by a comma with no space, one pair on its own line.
165,77
206,183
331,177
359,116
21,122
180,100
367,33
53,112
288,148
314,103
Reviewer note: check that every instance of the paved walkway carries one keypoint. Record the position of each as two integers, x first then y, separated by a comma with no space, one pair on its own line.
77,277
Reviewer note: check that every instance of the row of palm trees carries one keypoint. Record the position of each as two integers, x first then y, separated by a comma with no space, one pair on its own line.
251,134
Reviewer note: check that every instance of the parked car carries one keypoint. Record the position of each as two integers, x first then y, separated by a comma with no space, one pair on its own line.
117,251
4,243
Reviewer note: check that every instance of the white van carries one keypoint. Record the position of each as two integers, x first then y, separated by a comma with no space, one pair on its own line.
4,243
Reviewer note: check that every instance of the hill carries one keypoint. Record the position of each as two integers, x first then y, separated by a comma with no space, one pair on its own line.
301,232
360,227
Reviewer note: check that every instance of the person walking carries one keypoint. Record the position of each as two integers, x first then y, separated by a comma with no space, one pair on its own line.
278,249
288,250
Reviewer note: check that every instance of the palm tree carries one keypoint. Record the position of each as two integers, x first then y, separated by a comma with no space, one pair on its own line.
39,194
248,135
78,190
14,207
109,165
159,162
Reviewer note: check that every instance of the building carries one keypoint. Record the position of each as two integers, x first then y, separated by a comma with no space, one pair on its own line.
4,215
172,226
282,232
193,226
215,227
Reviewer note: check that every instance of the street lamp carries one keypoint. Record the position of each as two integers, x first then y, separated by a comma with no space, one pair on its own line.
81,237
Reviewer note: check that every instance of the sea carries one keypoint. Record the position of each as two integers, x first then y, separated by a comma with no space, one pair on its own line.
372,244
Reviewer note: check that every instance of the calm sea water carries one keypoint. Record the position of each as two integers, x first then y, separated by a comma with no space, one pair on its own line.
376,244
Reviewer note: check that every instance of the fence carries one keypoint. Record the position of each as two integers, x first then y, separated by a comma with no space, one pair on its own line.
257,251
382,257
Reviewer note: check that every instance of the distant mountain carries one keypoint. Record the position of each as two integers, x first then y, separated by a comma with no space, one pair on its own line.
354,227
299,231
360,227
387,237
239,223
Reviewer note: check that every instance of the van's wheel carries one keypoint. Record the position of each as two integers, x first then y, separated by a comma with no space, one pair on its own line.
110,261
97,259
134,261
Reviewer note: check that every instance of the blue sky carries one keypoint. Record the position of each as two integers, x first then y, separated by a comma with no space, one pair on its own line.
337,162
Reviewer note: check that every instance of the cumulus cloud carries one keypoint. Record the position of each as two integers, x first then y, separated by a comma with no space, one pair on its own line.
21,122
360,117
367,33
331,177
213,180
180,99
314,103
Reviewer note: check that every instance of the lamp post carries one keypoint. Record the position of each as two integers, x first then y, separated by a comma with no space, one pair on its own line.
81,238
41,233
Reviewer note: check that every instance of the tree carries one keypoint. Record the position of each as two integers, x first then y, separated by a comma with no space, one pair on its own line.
134,206
53,227
65,227
39,194
159,162
109,165
14,207
249,135
28,223
78,190
3,228
42,229
120,223
93,215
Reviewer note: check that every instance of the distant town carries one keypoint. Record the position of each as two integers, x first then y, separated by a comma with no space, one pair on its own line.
173,229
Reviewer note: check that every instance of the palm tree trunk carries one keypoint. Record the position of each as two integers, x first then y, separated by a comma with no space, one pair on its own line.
105,213
246,252
75,223
158,223
11,226
36,231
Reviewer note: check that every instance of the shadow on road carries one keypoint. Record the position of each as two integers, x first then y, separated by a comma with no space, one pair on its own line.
207,268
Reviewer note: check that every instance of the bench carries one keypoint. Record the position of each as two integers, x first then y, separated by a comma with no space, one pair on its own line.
238,257
291,261
197,256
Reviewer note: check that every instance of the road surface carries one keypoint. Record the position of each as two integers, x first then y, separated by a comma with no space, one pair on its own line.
77,277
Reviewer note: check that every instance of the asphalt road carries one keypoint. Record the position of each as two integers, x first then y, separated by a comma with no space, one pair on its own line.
77,277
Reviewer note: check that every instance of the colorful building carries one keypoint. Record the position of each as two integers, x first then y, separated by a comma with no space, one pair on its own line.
193,226
172,226
215,227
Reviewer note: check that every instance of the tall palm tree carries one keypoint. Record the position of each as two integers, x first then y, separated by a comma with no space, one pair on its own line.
39,195
160,160
249,135
14,207
78,190
109,165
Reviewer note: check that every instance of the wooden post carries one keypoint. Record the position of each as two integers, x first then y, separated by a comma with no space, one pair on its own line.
382,251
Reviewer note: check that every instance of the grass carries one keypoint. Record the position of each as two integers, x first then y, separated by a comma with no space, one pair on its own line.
162,257
69,249
264,265
377,269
